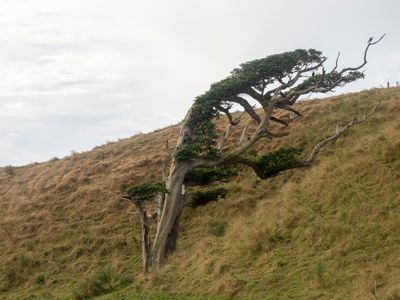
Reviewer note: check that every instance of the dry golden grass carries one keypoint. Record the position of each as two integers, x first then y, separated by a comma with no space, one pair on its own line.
331,231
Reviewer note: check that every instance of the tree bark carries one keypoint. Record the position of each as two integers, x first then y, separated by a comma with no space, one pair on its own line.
145,237
167,229
173,236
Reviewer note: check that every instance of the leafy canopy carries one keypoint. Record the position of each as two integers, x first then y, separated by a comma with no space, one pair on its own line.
279,160
256,75
144,191
207,175
201,198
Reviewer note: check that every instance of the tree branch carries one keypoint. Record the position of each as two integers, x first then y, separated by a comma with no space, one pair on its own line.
319,88
370,43
243,135
224,137
280,121
248,108
288,108
339,132
292,82
336,63
229,115
253,94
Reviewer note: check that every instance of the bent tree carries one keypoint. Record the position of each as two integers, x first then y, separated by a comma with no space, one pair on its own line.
273,83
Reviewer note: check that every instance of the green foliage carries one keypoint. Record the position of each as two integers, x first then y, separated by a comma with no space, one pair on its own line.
255,74
201,198
40,279
250,153
249,75
276,66
329,79
101,282
187,151
205,176
191,150
144,191
217,229
279,160
320,270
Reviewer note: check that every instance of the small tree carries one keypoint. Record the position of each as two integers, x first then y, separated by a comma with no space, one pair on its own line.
9,170
275,82
139,195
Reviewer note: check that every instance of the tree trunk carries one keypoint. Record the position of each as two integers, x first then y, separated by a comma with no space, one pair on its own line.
145,238
160,207
167,229
173,236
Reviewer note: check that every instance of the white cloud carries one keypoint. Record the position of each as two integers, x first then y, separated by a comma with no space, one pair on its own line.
77,73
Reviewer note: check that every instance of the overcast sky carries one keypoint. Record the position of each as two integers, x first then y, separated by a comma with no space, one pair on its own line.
77,73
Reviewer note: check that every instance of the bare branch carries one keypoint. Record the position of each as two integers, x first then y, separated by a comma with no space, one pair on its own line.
248,108
169,151
229,115
260,172
240,117
164,172
243,135
261,132
370,43
280,121
288,108
224,137
319,88
339,132
253,94
336,63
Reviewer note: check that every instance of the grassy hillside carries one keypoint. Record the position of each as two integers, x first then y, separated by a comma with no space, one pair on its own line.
331,231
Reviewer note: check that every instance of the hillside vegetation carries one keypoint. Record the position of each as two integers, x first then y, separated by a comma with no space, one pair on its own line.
331,231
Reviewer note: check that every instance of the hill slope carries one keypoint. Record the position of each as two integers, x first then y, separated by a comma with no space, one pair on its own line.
331,231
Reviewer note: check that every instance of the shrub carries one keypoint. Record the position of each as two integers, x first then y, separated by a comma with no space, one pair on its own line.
205,176
144,191
279,160
217,229
101,282
9,170
201,198
40,279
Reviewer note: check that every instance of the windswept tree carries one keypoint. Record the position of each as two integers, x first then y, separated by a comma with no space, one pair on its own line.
274,83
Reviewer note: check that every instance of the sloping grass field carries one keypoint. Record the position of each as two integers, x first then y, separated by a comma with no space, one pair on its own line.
330,231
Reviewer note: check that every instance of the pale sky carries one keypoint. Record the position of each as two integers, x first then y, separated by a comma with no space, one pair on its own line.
77,73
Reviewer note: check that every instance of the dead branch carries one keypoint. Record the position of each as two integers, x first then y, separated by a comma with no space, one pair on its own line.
336,63
370,43
339,132
169,151
224,137
319,86
243,135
